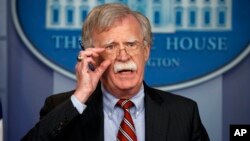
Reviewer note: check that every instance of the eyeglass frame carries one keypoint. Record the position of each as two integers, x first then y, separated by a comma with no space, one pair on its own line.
118,50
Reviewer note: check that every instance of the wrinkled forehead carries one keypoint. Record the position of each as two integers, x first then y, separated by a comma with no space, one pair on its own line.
114,22
132,31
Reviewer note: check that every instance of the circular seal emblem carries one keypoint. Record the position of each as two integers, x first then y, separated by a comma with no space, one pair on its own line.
194,40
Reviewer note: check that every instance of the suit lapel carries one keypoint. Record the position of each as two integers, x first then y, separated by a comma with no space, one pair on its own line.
156,117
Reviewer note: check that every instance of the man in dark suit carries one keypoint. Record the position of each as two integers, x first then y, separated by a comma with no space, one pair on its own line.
111,101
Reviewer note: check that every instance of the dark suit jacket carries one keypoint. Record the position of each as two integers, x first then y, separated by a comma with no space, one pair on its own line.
168,117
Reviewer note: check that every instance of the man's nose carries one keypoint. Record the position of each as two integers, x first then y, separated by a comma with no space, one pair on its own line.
123,54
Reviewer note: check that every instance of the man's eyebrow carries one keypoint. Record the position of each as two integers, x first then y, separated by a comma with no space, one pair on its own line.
131,40
108,42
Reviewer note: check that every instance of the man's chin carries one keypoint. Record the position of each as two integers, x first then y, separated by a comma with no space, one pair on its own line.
125,85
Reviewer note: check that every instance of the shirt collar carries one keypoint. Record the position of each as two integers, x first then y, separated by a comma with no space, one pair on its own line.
109,101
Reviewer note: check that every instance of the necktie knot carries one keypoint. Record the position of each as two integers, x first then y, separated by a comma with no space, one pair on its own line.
125,104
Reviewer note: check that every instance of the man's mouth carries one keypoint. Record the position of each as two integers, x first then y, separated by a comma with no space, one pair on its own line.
125,71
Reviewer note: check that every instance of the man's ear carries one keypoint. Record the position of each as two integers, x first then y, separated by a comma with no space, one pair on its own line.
146,52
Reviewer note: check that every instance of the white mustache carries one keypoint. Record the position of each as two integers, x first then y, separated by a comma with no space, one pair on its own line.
129,65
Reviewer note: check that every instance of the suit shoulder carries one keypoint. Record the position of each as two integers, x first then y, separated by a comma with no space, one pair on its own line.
60,97
177,105
53,101
171,98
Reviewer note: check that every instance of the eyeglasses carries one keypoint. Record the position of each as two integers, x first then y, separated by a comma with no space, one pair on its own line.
113,49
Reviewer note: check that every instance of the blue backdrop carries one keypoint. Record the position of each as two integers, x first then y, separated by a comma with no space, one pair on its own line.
222,101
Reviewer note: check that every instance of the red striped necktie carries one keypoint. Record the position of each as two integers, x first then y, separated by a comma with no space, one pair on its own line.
127,129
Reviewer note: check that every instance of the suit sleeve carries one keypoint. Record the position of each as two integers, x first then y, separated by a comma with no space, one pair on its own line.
199,132
52,121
